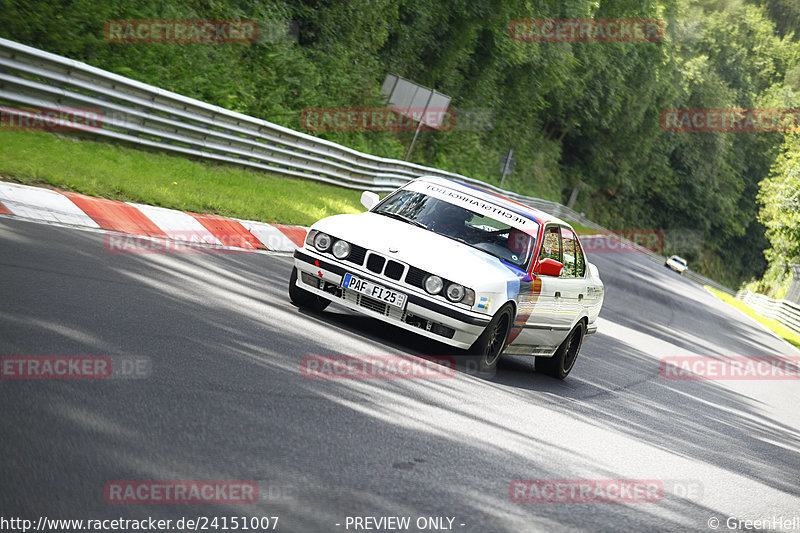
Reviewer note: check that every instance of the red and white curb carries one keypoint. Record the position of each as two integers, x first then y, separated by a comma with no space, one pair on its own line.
136,219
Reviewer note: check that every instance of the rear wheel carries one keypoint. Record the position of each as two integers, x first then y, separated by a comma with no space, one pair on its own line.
560,365
303,298
488,347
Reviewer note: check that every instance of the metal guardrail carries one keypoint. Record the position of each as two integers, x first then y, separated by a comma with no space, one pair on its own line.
785,312
152,118
149,117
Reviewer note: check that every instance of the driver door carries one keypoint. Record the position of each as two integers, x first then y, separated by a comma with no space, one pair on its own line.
536,328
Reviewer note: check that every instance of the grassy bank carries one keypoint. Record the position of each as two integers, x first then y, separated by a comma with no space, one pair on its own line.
119,173
774,325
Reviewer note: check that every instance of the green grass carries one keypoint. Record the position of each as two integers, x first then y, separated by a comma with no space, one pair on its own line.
120,173
580,229
774,325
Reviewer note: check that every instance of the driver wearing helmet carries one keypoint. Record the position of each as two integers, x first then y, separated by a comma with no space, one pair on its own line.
451,220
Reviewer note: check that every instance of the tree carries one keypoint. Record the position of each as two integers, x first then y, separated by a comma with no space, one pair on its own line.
780,197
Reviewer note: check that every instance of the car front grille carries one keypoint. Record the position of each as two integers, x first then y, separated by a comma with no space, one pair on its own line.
388,268
357,254
415,276
393,312
373,304
394,270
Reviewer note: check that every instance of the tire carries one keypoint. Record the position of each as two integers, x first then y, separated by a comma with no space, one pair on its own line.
560,365
304,299
488,347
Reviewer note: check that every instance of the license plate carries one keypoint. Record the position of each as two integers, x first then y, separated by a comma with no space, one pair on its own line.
397,299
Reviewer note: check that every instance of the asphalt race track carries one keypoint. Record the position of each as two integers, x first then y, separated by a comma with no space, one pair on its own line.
224,399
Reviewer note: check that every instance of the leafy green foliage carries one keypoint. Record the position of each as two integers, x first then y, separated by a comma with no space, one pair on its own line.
780,196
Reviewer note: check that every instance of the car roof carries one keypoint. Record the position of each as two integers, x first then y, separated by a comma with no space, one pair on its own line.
521,209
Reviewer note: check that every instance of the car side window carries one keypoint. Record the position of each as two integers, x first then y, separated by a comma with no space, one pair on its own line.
574,262
551,245
580,260
568,246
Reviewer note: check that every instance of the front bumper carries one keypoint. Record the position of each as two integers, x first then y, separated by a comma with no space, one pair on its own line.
322,275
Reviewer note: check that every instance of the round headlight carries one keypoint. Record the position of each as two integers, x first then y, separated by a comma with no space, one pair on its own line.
341,249
455,292
322,242
434,284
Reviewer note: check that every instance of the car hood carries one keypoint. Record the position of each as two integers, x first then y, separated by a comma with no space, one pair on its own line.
421,248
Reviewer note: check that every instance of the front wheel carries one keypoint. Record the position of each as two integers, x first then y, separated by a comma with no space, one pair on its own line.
303,298
490,344
560,365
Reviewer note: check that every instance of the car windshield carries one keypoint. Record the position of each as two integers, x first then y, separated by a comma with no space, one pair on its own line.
480,231
680,260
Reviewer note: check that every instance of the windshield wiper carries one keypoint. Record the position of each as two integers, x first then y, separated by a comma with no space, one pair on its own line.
401,217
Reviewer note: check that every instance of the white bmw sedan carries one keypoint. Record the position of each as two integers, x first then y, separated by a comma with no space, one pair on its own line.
460,265
676,263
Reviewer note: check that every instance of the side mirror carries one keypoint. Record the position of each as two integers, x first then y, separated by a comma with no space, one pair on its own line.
369,199
548,267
